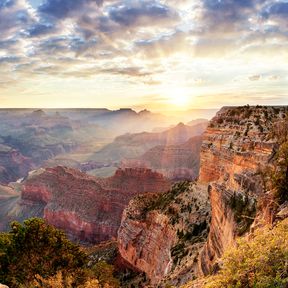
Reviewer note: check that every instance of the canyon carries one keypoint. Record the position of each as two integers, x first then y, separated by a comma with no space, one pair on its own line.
94,141
172,232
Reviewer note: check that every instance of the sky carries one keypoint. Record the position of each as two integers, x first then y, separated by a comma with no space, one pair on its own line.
156,54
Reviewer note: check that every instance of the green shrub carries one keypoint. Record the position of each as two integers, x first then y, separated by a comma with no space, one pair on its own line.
280,174
244,209
260,262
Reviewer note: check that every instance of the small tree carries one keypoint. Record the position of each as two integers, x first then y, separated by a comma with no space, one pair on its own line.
36,248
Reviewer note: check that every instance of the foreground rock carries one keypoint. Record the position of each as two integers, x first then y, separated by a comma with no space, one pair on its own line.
161,235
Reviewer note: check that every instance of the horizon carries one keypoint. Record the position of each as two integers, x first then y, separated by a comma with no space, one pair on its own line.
160,55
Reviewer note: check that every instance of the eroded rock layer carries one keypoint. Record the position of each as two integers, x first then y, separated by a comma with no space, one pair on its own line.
161,235
88,208
237,146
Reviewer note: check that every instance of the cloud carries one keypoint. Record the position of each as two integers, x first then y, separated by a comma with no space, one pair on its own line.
7,44
40,29
226,15
14,16
9,59
142,13
128,71
163,45
6,3
278,9
63,8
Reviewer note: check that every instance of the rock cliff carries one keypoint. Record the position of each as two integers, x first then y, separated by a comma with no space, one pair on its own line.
237,146
85,207
161,234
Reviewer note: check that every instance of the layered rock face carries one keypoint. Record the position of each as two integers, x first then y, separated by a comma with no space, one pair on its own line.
236,147
161,235
85,207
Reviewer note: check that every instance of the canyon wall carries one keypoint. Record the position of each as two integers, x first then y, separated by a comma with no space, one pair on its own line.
85,207
237,147
162,234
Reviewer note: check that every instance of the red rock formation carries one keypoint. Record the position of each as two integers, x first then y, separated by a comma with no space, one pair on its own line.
88,208
236,147
147,244
162,238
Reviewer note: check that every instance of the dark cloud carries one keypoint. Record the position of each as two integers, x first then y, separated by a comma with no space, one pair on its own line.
6,3
144,13
63,8
52,46
7,44
227,15
80,45
14,17
228,4
278,9
40,29
9,59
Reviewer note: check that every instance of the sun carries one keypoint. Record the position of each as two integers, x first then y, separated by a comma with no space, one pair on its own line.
178,96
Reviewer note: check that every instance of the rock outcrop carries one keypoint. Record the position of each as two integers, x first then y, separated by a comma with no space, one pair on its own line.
161,234
85,207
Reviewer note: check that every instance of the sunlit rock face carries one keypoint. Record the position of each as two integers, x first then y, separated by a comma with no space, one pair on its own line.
236,147
161,235
85,207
